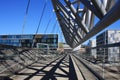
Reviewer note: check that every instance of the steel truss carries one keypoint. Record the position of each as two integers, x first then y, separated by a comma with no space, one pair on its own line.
77,18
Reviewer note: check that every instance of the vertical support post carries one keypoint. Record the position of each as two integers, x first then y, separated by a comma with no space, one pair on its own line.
47,49
103,62
119,55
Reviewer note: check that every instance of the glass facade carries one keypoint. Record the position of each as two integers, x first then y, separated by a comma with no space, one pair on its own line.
50,39
27,40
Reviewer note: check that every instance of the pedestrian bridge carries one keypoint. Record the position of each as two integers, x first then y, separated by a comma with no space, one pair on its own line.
77,19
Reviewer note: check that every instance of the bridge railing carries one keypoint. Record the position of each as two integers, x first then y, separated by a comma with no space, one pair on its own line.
13,60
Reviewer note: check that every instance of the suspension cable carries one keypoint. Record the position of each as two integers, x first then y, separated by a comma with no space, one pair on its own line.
57,30
24,23
54,26
43,10
48,23
60,34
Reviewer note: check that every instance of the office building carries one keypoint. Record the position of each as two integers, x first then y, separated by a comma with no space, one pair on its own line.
26,40
92,43
110,54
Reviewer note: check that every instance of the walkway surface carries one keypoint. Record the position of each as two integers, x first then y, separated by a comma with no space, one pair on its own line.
62,68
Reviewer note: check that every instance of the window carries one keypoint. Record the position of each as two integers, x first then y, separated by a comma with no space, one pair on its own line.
54,40
16,40
48,40
4,36
43,40
18,36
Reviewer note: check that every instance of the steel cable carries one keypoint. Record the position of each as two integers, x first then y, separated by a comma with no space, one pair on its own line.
24,23
54,26
43,10
48,23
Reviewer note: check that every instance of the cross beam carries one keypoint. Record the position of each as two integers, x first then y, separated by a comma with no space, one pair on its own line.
77,18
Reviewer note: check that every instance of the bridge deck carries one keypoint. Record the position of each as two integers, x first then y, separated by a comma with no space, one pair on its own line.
65,67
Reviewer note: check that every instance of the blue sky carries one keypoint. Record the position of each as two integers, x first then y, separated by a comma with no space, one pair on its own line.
12,14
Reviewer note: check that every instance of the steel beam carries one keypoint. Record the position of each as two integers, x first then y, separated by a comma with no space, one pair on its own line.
88,4
112,16
110,4
98,5
70,23
77,17
80,26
